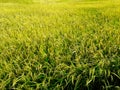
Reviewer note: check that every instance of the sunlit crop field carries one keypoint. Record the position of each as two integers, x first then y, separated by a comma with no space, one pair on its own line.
60,45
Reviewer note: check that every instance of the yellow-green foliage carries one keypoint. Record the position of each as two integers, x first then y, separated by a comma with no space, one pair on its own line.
16,1
60,46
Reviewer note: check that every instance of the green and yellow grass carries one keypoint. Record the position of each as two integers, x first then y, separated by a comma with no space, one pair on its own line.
60,45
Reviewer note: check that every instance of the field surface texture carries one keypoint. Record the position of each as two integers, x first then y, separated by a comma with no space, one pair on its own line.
60,44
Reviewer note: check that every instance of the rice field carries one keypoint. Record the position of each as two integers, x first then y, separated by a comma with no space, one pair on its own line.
60,45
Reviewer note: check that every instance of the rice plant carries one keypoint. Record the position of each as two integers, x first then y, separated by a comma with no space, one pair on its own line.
60,45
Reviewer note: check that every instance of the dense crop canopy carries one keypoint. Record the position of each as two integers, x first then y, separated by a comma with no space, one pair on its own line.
60,45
